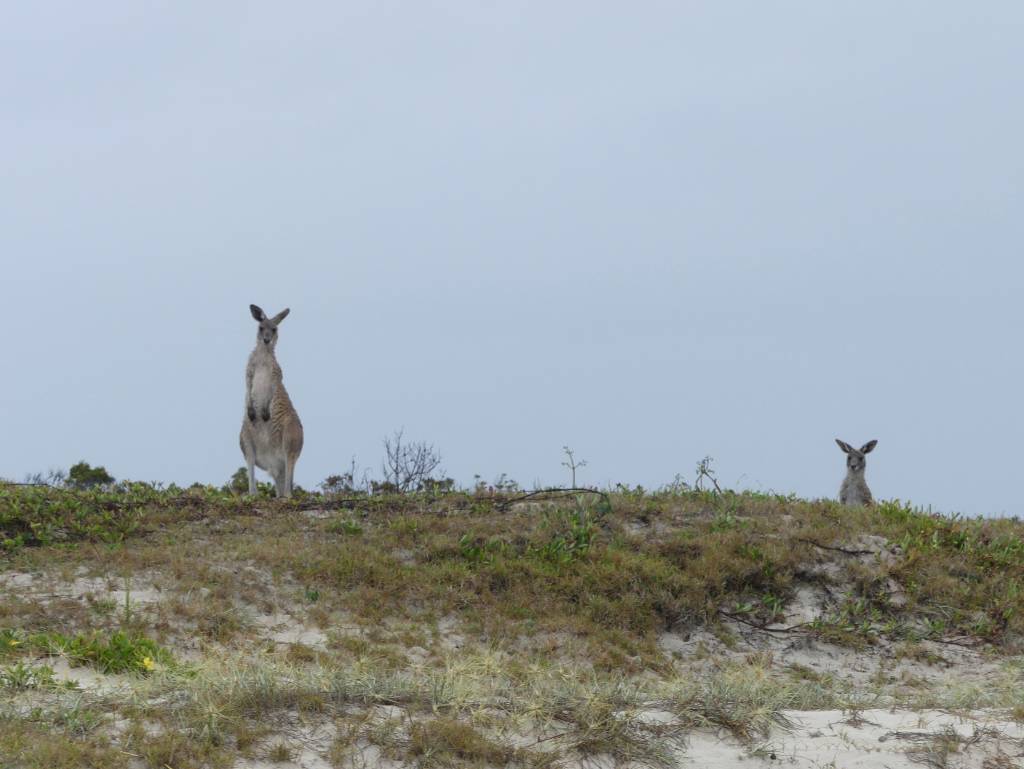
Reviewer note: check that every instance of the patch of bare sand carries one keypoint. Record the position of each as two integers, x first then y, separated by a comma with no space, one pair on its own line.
318,513
364,755
448,635
303,758
18,579
310,743
139,591
870,739
285,629
87,678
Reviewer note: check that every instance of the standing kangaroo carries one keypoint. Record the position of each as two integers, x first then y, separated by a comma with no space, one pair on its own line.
271,436
854,490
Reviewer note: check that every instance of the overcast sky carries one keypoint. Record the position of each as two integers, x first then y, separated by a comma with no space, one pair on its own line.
652,231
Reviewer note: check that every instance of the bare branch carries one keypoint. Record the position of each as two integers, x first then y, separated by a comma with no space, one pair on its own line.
572,464
407,466
704,471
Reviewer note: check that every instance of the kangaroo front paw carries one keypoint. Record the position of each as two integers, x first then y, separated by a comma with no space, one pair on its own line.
265,414
251,412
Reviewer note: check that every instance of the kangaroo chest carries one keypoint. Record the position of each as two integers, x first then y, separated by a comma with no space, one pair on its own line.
855,486
262,383
263,380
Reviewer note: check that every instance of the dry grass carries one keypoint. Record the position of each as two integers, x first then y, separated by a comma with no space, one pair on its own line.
24,745
442,741
279,752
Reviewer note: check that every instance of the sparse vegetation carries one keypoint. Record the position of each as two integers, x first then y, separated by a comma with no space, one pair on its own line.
479,615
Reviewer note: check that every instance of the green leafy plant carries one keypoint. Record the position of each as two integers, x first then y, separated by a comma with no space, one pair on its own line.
10,641
572,540
345,526
120,653
476,550
774,605
22,676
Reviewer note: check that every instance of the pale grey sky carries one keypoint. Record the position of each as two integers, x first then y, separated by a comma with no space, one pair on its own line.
651,231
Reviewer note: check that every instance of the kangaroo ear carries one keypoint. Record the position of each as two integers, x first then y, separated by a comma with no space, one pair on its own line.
844,446
257,313
280,316
867,447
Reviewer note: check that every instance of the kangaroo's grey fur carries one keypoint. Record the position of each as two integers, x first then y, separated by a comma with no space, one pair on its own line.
271,437
854,490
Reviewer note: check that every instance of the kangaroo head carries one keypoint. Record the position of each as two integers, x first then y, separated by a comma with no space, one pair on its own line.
267,334
855,457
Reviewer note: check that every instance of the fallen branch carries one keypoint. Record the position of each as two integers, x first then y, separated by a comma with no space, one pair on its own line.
763,628
558,736
335,504
557,493
834,549
961,644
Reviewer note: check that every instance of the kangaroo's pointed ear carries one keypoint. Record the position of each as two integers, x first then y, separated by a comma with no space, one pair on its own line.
844,446
257,313
867,447
280,316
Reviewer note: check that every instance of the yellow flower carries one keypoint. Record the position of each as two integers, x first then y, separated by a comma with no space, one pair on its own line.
14,642
147,663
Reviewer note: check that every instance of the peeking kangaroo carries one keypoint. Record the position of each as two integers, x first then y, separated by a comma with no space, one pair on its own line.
854,490
271,436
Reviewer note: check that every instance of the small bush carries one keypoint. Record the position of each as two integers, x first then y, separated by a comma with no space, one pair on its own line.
83,476
279,753
438,741
344,526
239,481
171,749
